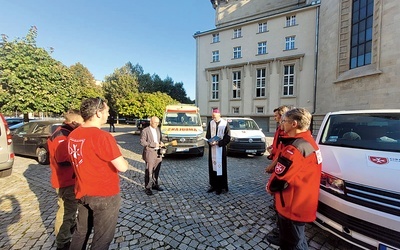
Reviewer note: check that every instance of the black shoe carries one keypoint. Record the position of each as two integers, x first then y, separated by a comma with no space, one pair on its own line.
148,191
218,192
275,231
210,190
158,188
273,239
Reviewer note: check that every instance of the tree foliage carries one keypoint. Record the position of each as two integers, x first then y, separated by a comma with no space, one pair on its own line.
86,82
143,105
30,79
118,85
153,83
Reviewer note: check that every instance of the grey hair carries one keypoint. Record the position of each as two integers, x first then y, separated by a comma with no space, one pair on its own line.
301,115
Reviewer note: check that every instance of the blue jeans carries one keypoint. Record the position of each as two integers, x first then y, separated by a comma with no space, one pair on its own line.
292,234
100,213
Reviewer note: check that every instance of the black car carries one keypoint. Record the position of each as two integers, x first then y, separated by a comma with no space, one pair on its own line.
31,139
16,126
142,123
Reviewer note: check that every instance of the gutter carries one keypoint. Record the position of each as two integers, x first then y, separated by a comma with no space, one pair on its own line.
316,58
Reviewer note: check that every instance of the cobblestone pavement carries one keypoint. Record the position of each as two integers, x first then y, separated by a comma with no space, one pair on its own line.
183,216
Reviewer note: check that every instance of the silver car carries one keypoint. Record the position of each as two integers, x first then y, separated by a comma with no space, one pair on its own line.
6,149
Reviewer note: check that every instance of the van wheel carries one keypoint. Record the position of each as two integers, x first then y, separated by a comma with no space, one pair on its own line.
42,156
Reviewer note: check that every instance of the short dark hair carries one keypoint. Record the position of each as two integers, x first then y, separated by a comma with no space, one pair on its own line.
90,106
282,109
71,114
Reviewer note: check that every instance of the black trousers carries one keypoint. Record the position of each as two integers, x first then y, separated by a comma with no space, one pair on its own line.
99,213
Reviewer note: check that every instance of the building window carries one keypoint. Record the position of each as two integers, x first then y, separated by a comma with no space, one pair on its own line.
289,42
237,52
236,80
215,56
262,48
215,38
235,110
262,27
361,33
290,20
260,110
237,33
260,83
288,80
215,87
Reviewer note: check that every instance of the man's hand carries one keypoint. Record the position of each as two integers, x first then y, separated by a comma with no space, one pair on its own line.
269,149
269,169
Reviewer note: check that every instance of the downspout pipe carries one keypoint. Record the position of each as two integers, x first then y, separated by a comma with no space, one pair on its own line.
316,58
315,67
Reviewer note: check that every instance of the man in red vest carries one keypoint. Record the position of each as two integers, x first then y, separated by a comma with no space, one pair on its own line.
296,179
63,178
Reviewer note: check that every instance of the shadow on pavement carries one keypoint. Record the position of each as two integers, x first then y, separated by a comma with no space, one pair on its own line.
10,213
38,178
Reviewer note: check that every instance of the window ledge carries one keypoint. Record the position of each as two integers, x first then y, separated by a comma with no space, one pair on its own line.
359,72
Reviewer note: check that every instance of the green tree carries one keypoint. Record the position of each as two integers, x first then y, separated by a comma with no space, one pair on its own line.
86,82
175,90
143,105
117,86
152,83
32,81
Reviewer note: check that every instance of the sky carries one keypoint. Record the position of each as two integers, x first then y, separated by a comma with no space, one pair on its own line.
104,35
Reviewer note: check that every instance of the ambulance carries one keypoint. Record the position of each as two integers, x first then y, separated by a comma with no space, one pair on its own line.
182,130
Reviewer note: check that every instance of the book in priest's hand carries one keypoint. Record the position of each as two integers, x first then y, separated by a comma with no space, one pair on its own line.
213,139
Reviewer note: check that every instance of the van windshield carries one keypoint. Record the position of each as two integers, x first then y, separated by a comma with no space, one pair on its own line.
366,131
242,124
181,119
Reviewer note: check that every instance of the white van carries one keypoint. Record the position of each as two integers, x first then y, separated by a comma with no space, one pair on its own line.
182,130
360,191
246,137
6,149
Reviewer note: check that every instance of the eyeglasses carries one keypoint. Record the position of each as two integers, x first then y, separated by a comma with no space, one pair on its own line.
101,101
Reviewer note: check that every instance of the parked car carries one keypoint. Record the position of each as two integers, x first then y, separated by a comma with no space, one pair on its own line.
142,123
6,149
14,120
31,139
359,197
246,137
131,121
15,126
